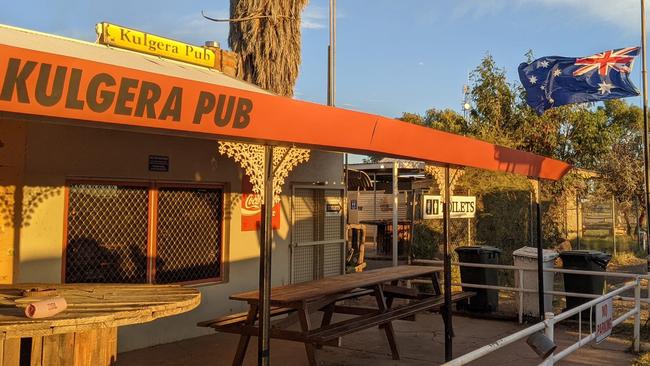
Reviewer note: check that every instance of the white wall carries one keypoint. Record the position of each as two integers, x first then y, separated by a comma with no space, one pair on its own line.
55,153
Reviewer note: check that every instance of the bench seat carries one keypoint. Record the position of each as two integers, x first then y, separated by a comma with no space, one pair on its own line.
239,318
345,327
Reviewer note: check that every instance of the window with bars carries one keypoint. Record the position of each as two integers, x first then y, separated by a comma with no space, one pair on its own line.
317,233
130,233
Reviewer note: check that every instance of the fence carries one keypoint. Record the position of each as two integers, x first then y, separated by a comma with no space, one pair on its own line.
548,324
520,289
507,220
601,223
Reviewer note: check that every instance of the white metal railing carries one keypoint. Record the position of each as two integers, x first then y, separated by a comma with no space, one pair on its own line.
520,289
548,325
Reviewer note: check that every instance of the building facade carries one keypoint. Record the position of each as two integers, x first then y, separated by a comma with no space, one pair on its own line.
83,204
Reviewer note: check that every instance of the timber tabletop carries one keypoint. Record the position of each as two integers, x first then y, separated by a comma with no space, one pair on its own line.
92,306
313,290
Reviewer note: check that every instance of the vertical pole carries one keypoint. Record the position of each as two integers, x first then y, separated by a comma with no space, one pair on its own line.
637,315
549,332
566,220
331,57
646,166
412,235
395,211
374,199
647,288
531,230
614,224
638,224
520,306
540,254
346,213
266,236
469,226
578,219
331,101
447,269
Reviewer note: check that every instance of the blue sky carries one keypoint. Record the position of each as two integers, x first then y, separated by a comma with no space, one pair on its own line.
393,55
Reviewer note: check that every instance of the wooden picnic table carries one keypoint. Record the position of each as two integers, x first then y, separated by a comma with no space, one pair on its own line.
86,332
324,295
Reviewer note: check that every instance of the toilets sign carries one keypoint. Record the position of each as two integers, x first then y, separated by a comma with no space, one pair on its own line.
462,207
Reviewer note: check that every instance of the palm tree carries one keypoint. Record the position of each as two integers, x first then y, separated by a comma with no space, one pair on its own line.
266,36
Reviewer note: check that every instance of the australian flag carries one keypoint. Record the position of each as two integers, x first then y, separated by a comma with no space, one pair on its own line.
554,81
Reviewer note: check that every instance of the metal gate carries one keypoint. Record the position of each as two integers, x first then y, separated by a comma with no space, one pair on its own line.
317,241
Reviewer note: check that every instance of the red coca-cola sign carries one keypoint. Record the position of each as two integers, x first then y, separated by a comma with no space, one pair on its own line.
251,209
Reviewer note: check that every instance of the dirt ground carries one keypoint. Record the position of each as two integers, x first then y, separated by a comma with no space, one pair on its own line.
421,342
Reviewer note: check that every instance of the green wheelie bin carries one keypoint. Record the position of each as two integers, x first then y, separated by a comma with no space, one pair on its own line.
585,260
485,300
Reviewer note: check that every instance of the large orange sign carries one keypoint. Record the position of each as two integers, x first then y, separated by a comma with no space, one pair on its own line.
72,88
39,83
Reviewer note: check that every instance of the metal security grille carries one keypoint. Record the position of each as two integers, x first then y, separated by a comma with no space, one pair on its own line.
331,260
333,222
303,263
110,238
188,235
107,233
305,217
317,233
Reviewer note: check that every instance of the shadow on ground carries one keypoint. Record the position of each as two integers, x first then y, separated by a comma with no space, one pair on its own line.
421,343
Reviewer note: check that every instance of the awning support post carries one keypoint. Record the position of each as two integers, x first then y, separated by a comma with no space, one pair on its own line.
646,159
266,246
447,269
395,211
540,257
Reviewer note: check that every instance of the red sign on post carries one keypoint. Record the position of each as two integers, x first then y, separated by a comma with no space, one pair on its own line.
604,324
251,208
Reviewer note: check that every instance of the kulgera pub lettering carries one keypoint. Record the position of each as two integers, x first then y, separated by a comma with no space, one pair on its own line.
103,93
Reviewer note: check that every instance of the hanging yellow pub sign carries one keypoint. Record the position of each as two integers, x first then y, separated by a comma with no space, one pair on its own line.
135,40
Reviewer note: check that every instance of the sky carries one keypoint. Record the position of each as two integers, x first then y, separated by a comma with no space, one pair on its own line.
393,56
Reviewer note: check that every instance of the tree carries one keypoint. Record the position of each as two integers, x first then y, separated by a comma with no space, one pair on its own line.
621,168
445,120
577,134
413,118
266,36
604,139
493,115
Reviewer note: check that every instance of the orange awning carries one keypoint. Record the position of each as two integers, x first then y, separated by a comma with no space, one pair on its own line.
39,80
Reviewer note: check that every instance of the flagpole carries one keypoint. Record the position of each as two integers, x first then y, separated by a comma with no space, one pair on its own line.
645,133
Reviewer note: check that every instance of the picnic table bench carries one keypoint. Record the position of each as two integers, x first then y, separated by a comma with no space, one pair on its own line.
325,295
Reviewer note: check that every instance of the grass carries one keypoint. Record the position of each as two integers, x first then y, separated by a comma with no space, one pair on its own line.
606,244
643,360
626,259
